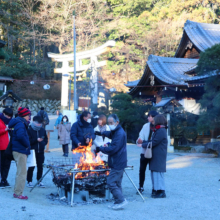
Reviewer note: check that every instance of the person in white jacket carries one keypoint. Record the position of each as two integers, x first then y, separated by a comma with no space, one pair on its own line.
100,140
145,135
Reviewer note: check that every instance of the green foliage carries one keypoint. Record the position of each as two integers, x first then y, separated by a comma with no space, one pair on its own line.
16,68
130,112
210,102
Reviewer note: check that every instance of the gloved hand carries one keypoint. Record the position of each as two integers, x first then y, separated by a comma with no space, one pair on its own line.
97,149
98,133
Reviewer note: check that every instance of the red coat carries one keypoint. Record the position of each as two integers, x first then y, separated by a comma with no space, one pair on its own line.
4,139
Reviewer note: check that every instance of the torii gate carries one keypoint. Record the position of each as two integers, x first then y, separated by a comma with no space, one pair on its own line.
94,64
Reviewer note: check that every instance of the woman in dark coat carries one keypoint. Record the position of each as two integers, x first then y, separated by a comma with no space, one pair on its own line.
159,155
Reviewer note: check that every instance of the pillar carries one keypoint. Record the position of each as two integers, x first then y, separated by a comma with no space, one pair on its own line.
64,88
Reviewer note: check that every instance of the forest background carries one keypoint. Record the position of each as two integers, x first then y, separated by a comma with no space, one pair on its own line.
32,28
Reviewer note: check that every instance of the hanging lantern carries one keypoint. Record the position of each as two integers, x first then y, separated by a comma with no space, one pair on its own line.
46,87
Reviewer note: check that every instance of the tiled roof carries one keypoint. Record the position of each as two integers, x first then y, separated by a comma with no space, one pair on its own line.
202,35
132,83
171,70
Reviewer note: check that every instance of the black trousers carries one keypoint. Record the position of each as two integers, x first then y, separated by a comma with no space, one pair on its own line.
65,148
143,165
40,161
5,164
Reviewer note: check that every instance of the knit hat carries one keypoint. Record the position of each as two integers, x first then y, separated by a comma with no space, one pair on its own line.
22,112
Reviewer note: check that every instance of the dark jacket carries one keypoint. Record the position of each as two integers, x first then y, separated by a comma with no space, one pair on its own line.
94,121
117,150
20,140
159,150
81,130
34,135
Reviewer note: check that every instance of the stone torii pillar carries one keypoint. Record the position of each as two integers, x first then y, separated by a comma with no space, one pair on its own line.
94,65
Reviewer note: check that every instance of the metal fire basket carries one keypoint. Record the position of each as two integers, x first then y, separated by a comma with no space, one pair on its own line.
66,177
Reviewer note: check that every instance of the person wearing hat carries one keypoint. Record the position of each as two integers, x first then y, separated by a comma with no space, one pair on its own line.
145,135
20,149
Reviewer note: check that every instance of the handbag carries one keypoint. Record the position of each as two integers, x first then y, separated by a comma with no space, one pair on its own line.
148,152
31,159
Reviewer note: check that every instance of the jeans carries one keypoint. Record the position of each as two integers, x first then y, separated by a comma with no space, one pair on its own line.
5,164
114,180
40,161
143,165
20,160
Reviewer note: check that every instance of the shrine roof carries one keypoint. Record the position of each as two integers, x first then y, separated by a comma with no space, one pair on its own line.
202,35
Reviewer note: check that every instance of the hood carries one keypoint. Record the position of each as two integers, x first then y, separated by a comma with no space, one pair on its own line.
60,114
15,121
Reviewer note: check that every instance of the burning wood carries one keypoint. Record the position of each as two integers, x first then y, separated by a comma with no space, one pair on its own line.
88,161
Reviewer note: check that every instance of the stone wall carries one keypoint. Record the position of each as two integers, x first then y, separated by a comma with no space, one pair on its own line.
51,106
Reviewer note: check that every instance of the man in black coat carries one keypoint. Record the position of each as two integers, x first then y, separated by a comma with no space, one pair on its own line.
82,131
38,141
117,159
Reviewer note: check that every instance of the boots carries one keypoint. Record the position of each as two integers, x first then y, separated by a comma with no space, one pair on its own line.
154,192
159,194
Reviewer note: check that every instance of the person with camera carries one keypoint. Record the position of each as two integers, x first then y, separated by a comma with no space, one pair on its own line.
38,141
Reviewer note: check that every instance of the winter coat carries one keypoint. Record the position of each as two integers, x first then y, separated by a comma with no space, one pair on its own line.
94,121
116,151
80,131
159,151
99,141
64,133
58,121
20,139
34,135
144,135
4,139
44,117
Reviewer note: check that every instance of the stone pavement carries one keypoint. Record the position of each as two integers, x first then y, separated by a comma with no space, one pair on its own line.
192,188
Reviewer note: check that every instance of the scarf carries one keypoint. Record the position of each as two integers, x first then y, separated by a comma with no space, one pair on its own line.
35,126
102,128
160,126
4,119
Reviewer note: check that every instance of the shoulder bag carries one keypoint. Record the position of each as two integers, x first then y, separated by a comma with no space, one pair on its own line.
148,152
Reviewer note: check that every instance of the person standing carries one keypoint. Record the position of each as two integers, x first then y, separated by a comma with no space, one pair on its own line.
81,133
117,159
157,164
20,149
5,118
43,114
99,140
64,135
145,135
95,119
58,121
38,141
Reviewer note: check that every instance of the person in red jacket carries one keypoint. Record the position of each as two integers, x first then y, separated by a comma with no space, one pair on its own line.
5,163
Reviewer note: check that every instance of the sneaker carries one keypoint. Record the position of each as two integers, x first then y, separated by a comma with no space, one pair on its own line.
30,185
20,197
120,205
141,190
7,184
2,185
65,155
41,185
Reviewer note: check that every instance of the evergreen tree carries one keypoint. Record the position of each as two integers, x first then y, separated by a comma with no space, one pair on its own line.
209,64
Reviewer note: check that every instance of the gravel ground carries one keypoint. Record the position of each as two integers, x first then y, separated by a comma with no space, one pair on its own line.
192,188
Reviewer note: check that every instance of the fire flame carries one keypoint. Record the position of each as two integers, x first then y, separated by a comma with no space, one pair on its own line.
88,161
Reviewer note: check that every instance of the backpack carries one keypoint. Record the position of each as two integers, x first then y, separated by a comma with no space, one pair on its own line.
44,117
